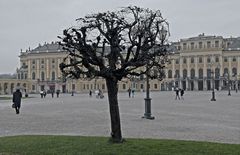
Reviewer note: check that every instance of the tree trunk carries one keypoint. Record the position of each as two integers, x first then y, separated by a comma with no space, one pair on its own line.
114,110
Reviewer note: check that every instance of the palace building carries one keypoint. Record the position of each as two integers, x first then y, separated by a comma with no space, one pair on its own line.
197,63
204,63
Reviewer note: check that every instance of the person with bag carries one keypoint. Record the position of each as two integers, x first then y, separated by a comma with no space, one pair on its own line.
17,96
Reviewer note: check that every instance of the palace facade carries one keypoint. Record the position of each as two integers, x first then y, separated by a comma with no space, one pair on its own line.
204,63
197,63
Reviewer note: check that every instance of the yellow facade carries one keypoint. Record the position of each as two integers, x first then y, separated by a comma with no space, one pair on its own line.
198,63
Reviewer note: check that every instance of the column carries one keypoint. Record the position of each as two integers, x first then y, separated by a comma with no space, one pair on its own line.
230,67
38,70
204,72
47,69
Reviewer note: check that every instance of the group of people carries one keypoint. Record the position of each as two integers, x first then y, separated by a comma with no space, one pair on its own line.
131,92
179,91
43,93
98,93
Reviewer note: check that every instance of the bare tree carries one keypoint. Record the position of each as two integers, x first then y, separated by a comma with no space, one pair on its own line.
116,45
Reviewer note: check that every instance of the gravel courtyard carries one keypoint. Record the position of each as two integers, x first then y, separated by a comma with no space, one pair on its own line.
194,118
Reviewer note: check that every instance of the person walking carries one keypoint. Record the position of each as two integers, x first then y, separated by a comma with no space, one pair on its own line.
181,93
177,94
90,93
129,92
58,92
17,96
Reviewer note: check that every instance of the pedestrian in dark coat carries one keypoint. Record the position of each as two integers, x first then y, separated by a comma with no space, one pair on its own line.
17,96
182,92
177,94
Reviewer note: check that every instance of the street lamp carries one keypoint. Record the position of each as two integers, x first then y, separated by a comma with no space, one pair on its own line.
147,113
213,81
229,88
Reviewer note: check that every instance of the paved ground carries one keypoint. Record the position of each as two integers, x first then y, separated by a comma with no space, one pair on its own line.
195,118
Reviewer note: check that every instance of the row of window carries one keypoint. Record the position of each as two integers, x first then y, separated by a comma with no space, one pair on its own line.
200,45
42,61
53,76
216,72
200,60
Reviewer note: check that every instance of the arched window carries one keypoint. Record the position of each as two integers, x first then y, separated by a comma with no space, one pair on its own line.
21,75
184,73
177,75
192,60
53,76
33,76
42,76
184,60
234,71
192,73
200,73
208,60
217,73
208,73
169,73
225,71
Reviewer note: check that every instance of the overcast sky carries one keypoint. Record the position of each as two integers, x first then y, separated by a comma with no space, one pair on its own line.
26,23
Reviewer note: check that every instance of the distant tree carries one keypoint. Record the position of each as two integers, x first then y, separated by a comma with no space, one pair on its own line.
116,45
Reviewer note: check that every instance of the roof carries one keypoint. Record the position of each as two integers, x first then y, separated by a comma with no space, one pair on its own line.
235,45
52,47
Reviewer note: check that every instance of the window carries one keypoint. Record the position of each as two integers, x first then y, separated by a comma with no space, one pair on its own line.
208,73
177,61
200,73
42,66
25,76
53,76
225,71
217,73
103,86
200,45
184,60
208,60
234,71
217,44
42,62
155,86
234,59
33,62
33,87
217,59
200,60
192,60
192,73
177,75
33,75
53,61
192,45
208,44
169,73
225,59
42,76
184,46
124,86
184,73
33,67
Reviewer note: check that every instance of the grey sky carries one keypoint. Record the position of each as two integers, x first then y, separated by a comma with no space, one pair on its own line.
26,23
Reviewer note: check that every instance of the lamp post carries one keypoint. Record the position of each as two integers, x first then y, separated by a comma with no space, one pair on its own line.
213,81
147,113
228,79
213,87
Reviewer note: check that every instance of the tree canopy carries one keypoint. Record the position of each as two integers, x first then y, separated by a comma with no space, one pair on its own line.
116,44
